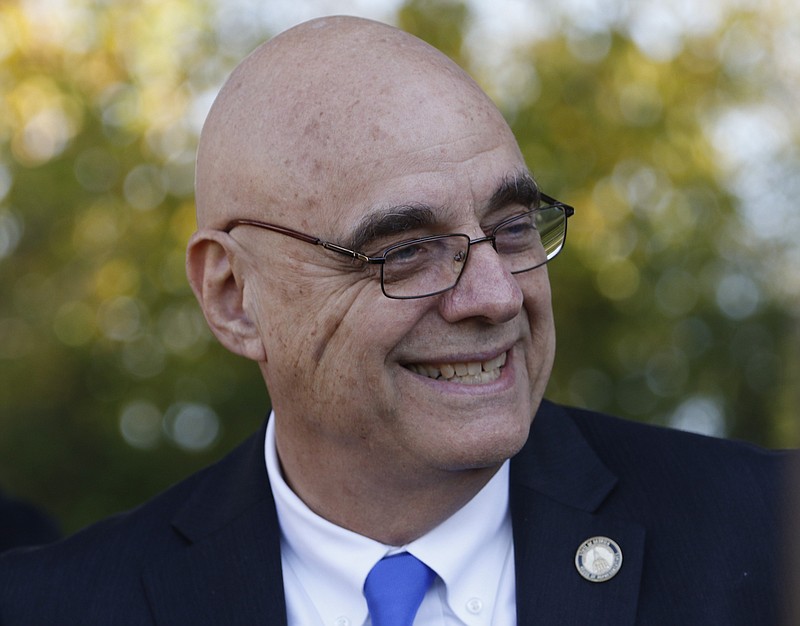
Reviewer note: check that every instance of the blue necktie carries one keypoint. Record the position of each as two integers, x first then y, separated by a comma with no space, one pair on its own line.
394,589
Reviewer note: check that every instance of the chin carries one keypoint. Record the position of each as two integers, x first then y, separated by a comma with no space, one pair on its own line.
491,449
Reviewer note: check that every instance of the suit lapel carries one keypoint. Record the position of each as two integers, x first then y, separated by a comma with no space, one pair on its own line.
230,569
558,485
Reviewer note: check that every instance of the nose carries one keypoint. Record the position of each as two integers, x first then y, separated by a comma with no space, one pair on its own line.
485,290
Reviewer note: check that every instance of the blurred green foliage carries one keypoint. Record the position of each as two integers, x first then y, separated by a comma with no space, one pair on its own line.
671,306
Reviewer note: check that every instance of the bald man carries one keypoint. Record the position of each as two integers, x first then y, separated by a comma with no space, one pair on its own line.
370,235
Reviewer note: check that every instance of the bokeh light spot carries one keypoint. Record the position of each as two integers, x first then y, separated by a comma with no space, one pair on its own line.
738,296
145,187
117,277
183,329
99,227
140,424
121,319
699,414
43,136
192,426
10,233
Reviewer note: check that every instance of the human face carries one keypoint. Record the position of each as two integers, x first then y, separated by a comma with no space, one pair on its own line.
349,370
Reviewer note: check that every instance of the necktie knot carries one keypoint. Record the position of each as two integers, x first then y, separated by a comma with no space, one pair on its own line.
394,589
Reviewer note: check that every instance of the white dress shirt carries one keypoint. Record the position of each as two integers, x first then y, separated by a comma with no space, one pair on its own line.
325,565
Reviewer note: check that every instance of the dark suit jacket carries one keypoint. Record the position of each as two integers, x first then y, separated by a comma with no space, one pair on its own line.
22,524
696,519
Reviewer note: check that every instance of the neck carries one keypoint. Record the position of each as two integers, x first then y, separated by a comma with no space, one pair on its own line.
393,509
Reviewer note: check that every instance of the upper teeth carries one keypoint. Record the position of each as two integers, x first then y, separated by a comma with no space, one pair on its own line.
468,372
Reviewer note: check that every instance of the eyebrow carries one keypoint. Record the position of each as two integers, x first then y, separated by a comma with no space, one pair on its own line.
392,221
516,188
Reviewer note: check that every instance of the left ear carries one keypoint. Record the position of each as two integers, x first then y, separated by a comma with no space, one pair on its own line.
210,271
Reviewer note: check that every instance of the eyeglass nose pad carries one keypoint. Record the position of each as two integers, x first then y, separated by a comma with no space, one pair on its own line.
459,259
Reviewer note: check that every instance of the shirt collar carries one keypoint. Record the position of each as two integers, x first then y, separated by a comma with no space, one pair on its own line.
466,550
469,549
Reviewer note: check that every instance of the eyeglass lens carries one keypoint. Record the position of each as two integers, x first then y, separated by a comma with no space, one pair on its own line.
433,264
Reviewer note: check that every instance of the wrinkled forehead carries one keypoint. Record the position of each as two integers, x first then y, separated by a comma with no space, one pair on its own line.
325,116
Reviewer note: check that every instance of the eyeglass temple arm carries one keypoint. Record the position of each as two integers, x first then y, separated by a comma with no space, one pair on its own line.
348,252
302,237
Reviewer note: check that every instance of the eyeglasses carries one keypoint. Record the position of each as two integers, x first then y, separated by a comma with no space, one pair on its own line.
427,266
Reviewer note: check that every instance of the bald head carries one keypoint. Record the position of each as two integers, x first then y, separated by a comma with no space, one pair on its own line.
308,115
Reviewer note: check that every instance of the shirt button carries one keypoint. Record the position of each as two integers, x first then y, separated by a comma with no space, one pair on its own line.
474,605
341,621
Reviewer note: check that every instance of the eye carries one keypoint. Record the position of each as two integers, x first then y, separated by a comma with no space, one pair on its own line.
407,252
519,228
423,256
506,215
411,253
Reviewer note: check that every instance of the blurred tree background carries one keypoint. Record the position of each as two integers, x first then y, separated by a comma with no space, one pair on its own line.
671,126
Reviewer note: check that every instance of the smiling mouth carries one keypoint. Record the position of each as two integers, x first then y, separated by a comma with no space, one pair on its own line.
468,373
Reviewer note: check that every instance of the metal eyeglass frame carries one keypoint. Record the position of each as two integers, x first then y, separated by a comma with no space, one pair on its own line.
550,203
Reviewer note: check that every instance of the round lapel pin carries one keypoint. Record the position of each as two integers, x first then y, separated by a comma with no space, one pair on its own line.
598,559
